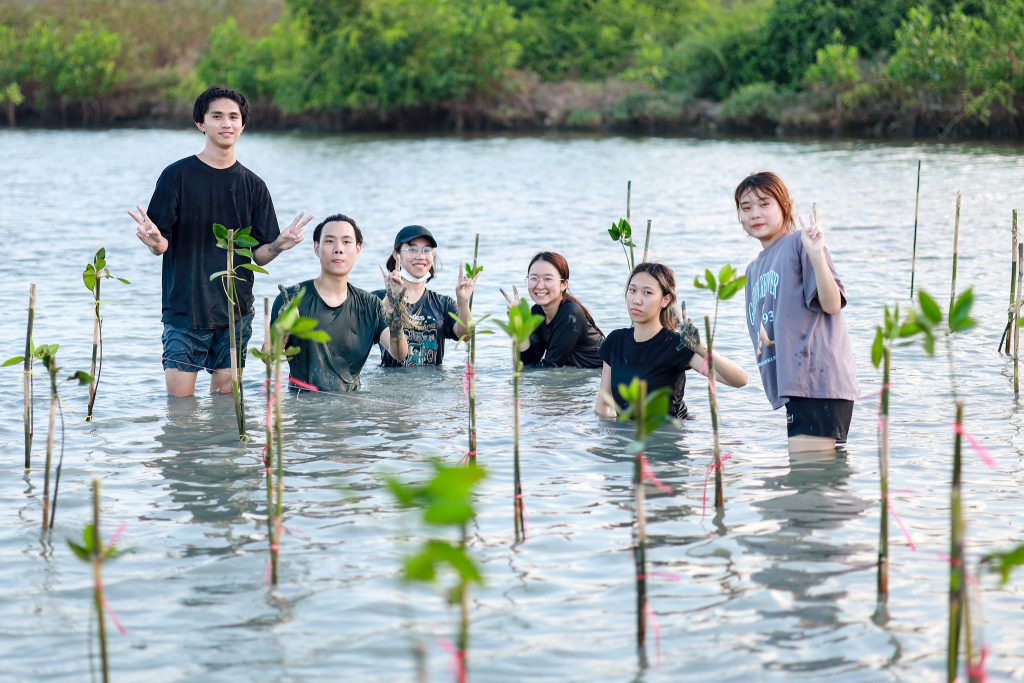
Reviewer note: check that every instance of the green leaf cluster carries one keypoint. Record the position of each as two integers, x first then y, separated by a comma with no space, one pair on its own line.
98,269
1005,562
87,550
622,232
47,353
240,242
925,320
445,500
521,322
726,285
648,415
472,272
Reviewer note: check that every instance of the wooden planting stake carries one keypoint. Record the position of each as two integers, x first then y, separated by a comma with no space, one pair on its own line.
956,241
1016,321
917,204
1013,284
647,240
713,399
27,378
957,573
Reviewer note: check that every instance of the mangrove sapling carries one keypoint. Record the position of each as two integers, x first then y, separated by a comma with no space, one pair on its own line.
93,275
647,412
1010,310
723,289
288,324
470,338
445,501
237,242
622,233
956,250
927,321
26,381
521,324
95,553
1017,319
913,253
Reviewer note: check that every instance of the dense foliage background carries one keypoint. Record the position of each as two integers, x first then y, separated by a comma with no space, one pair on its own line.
864,66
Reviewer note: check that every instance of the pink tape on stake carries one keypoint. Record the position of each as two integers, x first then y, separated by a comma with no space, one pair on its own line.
465,382
467,457
657,631
302,385
658,574
978,670
982,452
949,560
647,473
903,528
113,617
711,468
458,659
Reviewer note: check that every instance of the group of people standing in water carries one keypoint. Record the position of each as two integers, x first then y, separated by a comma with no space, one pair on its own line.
794,298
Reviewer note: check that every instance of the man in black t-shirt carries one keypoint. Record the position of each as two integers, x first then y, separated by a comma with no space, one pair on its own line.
191,195
354,319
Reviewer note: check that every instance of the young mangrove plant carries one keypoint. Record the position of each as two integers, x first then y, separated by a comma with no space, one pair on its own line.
469,382
446,501
288,324
647,412
1011,310
927,321
723,288
238,242
521,324
622,233
26,380
93,275
93,551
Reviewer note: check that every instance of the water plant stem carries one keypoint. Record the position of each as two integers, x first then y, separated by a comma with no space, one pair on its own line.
957,588
268,453
1013,284
520,518
913,253
236,387
640,544
27,377
96,366
472,367
629,193
97,577
713,400
647,240
956,247
51,366
883,475
1016,320
278,512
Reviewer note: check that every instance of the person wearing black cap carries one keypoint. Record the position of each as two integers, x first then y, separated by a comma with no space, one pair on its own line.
416,255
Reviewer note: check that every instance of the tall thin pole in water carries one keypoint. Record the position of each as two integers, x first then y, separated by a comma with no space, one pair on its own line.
956,247
27,378
647,240
1016,320
629,192
1013,283
917,204
957,572
640,546
471,370
713,400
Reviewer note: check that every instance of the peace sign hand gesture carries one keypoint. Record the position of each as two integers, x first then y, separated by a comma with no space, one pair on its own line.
464,287
812,236
147,231
511,300
294,233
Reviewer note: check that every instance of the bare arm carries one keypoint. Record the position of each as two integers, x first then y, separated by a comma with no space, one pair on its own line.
292,235
395,342
601,405
463,293
726,371
813,239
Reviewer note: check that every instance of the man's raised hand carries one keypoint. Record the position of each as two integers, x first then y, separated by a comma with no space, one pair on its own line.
294,233
147,231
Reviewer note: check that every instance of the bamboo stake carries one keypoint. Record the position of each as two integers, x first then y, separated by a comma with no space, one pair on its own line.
52,368
97,576
97,324
956,240
472,368
1013,283
713,399
640,547
275,549
647,240
268,454
883,472
520,519
956,551
917,203
1016,320
629,192
27,378
236,388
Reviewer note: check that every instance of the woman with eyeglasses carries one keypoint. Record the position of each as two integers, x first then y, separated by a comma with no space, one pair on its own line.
415,257
568,336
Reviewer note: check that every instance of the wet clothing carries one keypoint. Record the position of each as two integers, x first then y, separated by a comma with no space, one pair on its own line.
569,339
811,355
354,327
191,349
189,198
426,346
662,361
819,417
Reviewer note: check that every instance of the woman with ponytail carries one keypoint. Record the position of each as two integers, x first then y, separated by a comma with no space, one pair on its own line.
654,349
568,336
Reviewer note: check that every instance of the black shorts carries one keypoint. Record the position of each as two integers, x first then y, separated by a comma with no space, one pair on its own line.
819,417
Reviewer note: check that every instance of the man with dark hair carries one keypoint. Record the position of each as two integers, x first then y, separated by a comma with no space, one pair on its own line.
191,195
354,319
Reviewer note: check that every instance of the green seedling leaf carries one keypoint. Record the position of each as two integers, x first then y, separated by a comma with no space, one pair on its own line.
219,273
246,241
725,273
710,279
220,232
698,284
303,324
13,361
626,230
931,310
258,354
80,552
614,233
122,281
83,377
472,272
318,336
254,268
89,278
406,495
101,254
929,342
877,348
244,252
960,315
1005,562
448,510
729,290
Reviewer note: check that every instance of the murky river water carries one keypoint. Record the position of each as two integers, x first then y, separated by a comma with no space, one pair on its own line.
782,588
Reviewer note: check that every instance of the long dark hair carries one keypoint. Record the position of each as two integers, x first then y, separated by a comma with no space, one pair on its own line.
669,317
562,266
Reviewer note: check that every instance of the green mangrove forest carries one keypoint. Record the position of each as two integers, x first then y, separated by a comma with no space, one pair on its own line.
879,68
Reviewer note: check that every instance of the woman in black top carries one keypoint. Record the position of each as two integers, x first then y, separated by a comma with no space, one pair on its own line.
568,336
655,348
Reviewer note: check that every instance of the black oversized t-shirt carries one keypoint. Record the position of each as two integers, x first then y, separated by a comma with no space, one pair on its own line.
661,360
426,345
354,327
569,339
189,198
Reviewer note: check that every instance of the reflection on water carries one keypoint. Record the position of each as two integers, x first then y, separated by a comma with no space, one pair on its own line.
781,587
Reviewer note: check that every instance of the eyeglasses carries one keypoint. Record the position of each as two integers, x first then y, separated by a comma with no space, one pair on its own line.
547,280
426,251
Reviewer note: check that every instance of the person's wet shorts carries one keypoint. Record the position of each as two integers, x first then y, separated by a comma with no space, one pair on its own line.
192,350
819,417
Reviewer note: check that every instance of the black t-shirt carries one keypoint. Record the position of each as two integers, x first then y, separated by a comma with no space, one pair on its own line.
426,346
569,339
661,360
354,327
189,198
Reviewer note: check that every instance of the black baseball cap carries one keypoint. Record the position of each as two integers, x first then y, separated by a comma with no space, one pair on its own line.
411,232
